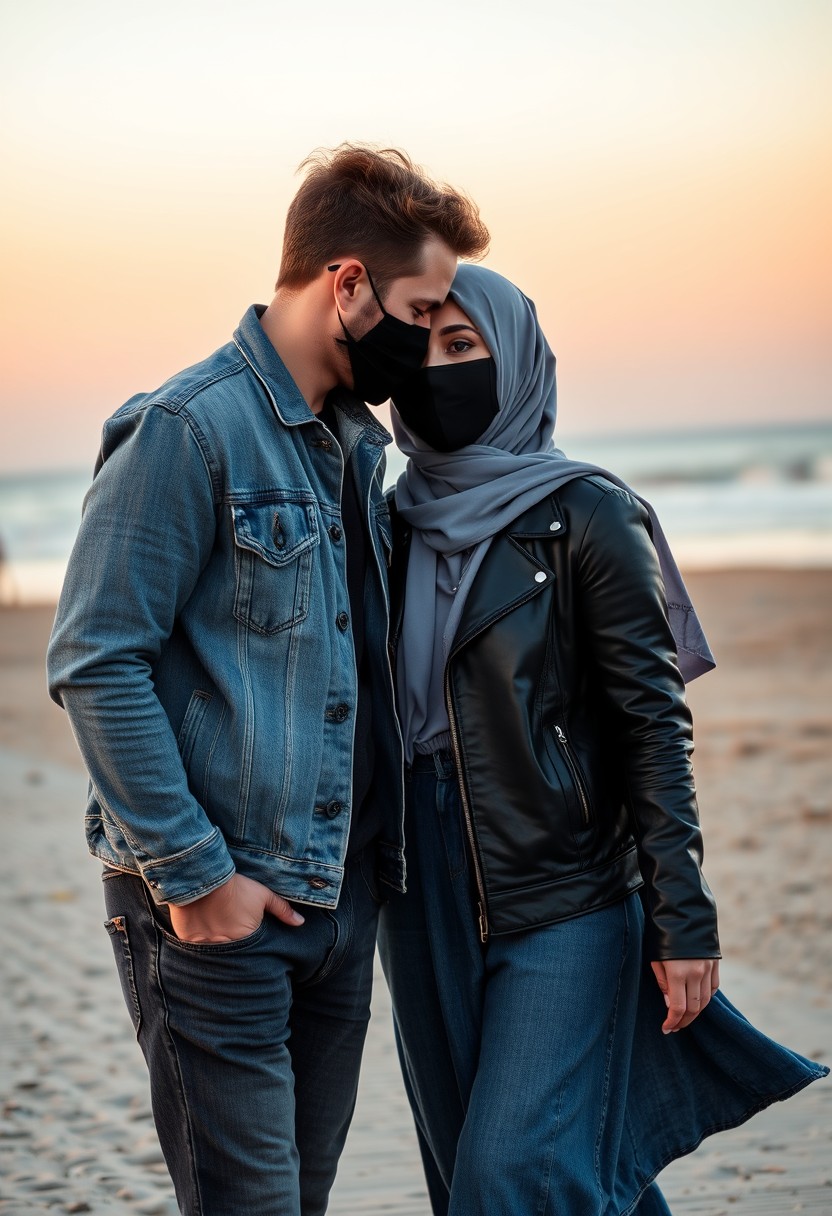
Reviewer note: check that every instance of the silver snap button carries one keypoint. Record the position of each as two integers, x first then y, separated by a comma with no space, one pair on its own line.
555,527
540,577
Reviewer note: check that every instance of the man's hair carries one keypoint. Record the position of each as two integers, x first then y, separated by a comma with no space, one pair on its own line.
376,205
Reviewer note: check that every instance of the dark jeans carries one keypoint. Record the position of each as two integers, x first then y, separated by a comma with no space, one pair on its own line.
253,1046
536,1068
516,1055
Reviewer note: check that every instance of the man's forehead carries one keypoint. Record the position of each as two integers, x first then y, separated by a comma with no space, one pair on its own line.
438,262
425,303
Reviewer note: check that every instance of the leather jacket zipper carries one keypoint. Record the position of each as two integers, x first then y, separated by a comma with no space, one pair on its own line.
573,768
482,917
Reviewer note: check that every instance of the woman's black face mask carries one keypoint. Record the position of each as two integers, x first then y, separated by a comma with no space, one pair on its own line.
386,355
449,406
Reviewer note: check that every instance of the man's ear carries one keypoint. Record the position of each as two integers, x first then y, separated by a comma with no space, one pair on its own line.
351,287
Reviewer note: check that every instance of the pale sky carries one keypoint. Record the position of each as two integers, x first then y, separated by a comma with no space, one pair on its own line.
656,175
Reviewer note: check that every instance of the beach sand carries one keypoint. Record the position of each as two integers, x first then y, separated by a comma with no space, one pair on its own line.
75,1130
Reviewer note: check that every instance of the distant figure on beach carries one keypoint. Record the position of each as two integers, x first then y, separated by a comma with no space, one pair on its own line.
221,650
8,590
554,963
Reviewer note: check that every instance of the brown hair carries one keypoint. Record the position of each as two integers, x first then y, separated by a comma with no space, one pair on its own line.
376,205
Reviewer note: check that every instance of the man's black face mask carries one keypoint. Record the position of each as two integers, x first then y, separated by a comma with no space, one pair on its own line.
386,355
449,406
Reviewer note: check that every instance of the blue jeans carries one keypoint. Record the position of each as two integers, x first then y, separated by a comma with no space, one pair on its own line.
253,1046
536,1068
515,1055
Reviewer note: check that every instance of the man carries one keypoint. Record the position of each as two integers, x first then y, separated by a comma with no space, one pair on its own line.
220,648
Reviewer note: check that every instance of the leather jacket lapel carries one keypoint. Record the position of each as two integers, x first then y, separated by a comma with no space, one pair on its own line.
511,573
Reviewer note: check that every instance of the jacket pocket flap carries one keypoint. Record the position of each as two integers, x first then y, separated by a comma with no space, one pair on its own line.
278,532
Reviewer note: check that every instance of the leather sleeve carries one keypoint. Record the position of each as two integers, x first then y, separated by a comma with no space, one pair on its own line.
624,612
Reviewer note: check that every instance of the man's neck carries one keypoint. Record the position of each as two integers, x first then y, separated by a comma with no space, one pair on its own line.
292,323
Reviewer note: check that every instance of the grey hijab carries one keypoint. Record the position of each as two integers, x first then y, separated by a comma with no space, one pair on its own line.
456,502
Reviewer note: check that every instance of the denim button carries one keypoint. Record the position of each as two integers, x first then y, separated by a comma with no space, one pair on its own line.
339,714
335,532
342,621
334,809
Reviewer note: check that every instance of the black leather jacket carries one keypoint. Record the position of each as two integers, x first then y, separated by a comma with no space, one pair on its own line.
569,723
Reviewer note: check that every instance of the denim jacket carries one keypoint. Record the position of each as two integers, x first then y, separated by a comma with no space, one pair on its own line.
203,648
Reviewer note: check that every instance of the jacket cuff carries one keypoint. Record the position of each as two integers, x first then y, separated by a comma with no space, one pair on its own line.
187,876
661,947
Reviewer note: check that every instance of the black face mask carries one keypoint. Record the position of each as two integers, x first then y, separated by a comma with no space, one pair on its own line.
449,406
386,355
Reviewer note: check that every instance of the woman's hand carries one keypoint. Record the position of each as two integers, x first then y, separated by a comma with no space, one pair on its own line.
687,984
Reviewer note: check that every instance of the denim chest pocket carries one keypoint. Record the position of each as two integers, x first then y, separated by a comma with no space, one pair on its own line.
275,544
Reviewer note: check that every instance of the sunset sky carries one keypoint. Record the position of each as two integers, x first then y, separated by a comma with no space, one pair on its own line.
656,175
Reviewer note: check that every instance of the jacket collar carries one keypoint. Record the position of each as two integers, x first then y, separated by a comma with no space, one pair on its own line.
511,574
506,579
285,396
270,369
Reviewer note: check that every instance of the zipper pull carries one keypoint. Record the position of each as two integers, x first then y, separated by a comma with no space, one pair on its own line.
561,736
483,922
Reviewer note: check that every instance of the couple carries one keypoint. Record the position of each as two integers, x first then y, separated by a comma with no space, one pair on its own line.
245,621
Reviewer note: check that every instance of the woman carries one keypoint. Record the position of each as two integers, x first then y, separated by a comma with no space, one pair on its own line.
552,831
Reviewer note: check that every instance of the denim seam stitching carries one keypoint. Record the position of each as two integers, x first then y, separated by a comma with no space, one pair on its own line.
211,467
331,962
210,757
134,846
556,1127
175,1055
191,723
248,730
193,848
176,403
288,751
299,495
120,931
610,1040
441,787
199,437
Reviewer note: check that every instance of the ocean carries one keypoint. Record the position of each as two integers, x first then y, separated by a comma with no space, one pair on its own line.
744,496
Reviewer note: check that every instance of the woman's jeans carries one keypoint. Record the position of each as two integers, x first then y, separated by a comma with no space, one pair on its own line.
538,1074
253,1046
516,1054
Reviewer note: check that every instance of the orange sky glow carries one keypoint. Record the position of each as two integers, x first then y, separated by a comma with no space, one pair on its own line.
660,182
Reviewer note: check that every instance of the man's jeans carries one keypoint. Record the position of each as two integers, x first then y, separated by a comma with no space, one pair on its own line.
515,1056
253,1046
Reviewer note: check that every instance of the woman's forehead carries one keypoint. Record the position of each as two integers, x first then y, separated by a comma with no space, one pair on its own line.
450,313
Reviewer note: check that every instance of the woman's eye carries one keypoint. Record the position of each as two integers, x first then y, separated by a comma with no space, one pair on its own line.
460,346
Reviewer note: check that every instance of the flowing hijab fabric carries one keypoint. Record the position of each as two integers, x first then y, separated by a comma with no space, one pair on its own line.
456,502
